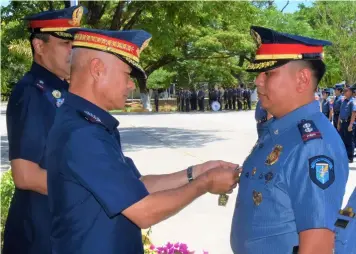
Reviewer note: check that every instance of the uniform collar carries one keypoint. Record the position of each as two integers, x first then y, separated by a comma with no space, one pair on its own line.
278,126
91,111
50,79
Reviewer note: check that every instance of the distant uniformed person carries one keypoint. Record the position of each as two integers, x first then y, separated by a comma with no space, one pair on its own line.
346,122
292,183
326,106
234,98
187,96
239,98
337,104
346,228
182,100
201,98
30,115
98,199
193,99
261,117
156,98
226,101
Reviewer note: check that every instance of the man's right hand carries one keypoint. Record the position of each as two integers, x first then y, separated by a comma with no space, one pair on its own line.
222,180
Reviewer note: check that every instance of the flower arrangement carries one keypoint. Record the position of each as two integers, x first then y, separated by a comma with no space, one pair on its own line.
169,248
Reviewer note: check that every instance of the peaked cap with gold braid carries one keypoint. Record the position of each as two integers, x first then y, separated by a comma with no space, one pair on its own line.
56,22
126,45
275,49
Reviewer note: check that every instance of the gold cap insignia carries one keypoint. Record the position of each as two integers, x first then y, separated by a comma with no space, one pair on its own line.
256,37
274,155
77,16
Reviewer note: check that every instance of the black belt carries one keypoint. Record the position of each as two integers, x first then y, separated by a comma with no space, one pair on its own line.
345,120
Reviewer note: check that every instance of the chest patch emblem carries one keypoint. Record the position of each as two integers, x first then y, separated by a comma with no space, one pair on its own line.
321,171
273,157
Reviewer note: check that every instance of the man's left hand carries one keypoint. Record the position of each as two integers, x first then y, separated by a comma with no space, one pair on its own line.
204,167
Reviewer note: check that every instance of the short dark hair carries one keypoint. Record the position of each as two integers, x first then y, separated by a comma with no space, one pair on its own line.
317,67
41,36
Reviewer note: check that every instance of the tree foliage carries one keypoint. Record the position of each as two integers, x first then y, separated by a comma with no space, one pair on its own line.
194,42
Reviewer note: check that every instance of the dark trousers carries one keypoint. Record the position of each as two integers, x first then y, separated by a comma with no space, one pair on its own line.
156,104
187,106
182,105
347,137
230,103
234,103
239,104
335,119
201,104
249,104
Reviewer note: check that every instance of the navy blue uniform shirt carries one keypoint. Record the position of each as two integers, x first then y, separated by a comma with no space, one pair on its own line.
326,106
293,180
347,106
337,104
30,114
90,182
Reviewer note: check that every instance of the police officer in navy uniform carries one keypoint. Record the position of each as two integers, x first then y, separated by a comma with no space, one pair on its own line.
261,116
337,103
293,181
30,115
326,106
346,228
346,122
201,98
98,199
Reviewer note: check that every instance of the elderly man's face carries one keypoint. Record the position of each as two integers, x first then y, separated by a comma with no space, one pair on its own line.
116,83
276,87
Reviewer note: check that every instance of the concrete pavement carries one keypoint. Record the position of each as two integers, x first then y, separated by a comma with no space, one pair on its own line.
164,143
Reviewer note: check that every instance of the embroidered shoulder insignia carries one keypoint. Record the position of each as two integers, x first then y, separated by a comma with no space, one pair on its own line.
40,85
308,130
90,117
321,171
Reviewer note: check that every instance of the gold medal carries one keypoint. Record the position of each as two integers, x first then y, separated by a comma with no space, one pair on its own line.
274,155
254,171
257,197
56,94
223,198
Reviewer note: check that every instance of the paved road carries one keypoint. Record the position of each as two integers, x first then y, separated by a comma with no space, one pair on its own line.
163,143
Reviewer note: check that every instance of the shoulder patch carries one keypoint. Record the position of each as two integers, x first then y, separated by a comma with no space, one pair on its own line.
90,117
39,83
321,171
308,130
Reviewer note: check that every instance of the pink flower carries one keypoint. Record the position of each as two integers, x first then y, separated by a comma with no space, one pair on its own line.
152,247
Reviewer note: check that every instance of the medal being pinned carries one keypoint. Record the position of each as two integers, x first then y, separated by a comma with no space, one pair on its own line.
224,198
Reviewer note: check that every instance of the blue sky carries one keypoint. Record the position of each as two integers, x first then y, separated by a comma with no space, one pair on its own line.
292,6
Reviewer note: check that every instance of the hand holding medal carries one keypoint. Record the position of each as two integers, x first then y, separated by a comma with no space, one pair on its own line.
224,198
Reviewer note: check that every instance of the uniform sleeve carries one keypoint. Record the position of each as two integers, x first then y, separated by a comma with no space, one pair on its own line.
133,166
354,106
95,162
316,175
26,126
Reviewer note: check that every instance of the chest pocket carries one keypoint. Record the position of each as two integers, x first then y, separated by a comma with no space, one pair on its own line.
271,209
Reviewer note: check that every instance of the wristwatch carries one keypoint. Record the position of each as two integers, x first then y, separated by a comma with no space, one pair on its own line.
190,173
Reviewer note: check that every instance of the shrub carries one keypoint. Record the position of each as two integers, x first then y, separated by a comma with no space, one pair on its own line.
7,190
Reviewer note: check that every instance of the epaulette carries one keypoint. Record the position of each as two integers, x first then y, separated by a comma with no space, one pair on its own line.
54,96
90,117
308,130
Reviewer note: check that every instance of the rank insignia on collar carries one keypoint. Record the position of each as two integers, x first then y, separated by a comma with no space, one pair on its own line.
59,102
321,171
56,94
274,155
257,197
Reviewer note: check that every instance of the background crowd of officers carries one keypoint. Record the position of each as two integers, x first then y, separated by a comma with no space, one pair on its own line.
228,98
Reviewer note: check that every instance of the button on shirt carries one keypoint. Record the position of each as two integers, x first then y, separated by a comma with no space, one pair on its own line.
30,114
347,106
90,182
293,180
